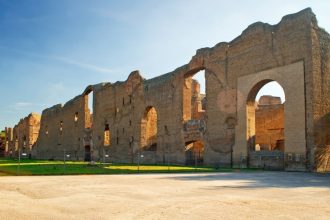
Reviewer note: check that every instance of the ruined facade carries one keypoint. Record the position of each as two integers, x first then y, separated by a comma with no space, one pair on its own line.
9,144
23,136
165,117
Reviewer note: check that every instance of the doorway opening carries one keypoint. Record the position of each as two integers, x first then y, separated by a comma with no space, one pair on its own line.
87,153
194,153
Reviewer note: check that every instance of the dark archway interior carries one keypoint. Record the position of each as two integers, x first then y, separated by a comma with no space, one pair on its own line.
87,153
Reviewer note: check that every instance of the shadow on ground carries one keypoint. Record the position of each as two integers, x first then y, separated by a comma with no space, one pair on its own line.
260,180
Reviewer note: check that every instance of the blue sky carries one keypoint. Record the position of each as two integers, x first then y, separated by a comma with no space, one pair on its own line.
51,50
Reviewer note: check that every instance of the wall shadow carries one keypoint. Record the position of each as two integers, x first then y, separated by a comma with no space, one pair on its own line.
251,180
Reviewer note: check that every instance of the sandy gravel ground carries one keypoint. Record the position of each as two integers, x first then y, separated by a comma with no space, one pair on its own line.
261,195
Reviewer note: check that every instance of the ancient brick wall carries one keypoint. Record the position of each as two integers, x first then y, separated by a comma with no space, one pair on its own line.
319,125
9,140
260,47
119,108
269,121
24,135
125,110
62,131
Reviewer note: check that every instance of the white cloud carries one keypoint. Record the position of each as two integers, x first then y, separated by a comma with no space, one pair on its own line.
22,104
62,59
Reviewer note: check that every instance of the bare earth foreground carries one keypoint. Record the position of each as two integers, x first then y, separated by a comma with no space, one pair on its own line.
255,195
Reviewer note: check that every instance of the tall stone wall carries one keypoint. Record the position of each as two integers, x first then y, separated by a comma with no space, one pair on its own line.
124,110
295,47
24,135
260,47
62,131
319,83
9,145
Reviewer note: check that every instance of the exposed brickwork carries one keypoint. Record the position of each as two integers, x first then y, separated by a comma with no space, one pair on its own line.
295,52
24,135
270,124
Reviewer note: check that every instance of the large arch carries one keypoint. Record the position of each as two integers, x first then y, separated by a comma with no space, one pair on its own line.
268,114
265,128
194,113
291,78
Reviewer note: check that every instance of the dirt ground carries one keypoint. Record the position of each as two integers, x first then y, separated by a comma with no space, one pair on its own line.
255,195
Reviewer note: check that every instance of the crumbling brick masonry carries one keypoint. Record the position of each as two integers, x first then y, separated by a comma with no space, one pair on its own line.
166,120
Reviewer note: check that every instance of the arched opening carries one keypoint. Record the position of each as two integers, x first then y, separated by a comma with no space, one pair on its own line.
194,153
291,78
194,96
149,129
265,121
89,107
265,114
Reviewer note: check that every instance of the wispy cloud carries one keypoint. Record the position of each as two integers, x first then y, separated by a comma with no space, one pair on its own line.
82,65
23,104
62,59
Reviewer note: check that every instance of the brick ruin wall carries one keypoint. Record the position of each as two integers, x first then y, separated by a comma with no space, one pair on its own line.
259,48
119,108
270,124
320,128
23,136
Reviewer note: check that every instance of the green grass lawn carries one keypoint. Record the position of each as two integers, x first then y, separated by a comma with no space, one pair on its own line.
43,167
